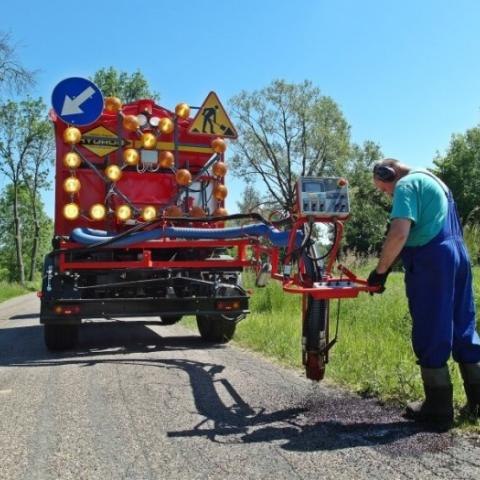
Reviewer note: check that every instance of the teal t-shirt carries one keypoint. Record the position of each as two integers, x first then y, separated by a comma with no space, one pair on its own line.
420,198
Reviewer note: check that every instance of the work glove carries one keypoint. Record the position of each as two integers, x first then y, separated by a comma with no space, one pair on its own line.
376,279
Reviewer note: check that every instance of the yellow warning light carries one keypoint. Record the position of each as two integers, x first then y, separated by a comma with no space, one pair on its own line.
123,212
220,191
182,110
149,140
97,211
219,212
72,160
165,125
130,123
218,145
113,172
197,212
71,211
166,159
131,156
183,177
173,211
149,213
219,169
113,104
71,185
72,135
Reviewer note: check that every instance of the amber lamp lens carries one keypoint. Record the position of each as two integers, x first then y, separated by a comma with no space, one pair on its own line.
219,169
72,160
72,135
165,125
220,192
183,177
166,159
97,211
182,110
173,211
130,123
71,211
197,212
71,185
149,213
113,104
123,212
219,145
131,156
219,212
149,140
113,172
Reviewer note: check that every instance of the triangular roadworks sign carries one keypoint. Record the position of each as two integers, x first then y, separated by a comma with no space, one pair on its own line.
212,119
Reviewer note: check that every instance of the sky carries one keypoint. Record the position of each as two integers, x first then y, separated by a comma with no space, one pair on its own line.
406,74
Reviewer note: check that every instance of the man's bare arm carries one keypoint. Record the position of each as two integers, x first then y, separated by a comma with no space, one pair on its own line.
396,237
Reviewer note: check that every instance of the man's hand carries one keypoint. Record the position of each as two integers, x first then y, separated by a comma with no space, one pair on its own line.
376,279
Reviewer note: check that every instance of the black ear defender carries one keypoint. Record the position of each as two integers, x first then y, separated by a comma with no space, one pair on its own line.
384,173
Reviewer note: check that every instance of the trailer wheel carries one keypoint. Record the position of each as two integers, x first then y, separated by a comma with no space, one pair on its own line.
170,319
215,329
60,337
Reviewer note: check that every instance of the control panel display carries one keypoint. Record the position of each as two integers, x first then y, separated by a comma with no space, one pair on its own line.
323,197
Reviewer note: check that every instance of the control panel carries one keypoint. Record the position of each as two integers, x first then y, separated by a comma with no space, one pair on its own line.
323,197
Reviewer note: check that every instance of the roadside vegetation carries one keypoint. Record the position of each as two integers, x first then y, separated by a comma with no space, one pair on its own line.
10,290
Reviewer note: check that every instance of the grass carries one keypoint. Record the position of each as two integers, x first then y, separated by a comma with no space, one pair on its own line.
373,355
10,290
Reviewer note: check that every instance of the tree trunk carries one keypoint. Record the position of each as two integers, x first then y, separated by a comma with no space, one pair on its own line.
36,241
18,236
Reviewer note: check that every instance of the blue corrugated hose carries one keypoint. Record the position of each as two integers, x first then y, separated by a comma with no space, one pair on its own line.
89,236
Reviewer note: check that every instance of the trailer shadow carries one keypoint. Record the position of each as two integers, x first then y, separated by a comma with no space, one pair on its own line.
330,422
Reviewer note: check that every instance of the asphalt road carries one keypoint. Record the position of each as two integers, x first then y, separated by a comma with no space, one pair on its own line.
138,402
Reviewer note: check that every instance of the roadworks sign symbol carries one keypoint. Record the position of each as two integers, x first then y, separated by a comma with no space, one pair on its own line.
212,119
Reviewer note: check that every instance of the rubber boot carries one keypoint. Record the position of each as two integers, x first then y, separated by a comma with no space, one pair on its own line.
437,408
471,382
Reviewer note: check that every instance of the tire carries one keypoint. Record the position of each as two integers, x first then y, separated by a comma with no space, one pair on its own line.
215,329
60,337
170,319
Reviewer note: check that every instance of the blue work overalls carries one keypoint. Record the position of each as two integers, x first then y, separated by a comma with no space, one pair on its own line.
438,281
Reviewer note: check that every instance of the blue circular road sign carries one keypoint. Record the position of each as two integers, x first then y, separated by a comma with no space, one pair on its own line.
77,101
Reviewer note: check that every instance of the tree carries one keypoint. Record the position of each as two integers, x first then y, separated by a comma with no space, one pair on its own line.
13,76
35,172
369,208
20,130
459,168
287,130
127,87
9,269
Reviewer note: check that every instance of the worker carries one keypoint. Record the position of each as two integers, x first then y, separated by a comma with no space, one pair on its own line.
426,232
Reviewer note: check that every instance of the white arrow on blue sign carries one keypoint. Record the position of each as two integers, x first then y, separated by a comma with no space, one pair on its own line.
77,101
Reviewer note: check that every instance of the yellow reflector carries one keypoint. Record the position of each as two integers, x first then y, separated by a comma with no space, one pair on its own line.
131,156
113,172
71,211
149,213
72,160
123,212
72,135
71,185
97,211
